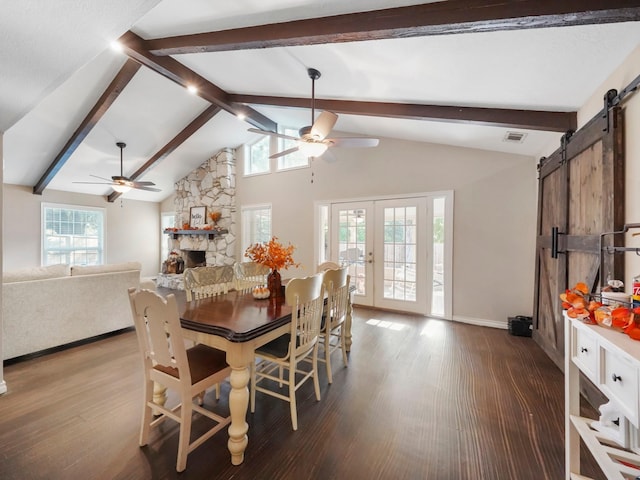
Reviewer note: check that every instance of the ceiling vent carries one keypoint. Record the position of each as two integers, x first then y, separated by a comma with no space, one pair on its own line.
514,137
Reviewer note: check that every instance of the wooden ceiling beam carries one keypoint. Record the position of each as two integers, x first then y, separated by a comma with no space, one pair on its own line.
105,101
175,142
134,47
439,18
497,117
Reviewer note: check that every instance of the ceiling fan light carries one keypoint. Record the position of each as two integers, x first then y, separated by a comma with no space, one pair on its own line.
121,188
312,149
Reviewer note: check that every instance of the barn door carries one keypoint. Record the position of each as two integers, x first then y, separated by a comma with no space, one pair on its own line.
580,196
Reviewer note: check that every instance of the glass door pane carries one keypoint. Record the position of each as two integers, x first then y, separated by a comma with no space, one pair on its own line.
400,255
437,296
352,246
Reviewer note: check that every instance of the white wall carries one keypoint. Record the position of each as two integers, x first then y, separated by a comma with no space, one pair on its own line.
494,213
133,227
3,385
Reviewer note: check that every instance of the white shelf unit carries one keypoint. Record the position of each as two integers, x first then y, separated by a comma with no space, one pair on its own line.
611,360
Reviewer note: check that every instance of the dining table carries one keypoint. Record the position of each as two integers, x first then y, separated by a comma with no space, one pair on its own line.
238,324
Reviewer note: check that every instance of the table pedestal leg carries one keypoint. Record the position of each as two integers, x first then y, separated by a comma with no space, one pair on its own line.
159,396
238,403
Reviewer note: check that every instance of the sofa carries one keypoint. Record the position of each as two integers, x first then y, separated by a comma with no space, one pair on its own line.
52,306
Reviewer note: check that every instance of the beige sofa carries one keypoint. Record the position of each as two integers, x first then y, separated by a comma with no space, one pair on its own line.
51,306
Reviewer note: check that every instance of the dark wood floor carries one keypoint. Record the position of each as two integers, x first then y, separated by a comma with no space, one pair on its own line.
421,399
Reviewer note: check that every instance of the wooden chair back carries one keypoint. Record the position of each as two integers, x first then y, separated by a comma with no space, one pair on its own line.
250,275
327,266
306,297
157,324
202,282
336,285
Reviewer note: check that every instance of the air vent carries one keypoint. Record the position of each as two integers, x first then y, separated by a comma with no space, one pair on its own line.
514,137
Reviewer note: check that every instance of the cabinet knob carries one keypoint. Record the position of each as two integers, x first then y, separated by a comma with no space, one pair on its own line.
615,377
583,349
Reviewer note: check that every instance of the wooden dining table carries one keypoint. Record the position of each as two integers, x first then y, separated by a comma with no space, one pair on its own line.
238,324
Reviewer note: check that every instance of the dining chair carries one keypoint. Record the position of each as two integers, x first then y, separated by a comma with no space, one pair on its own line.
327,266
306,297
202,282
166,361
250,275
332,331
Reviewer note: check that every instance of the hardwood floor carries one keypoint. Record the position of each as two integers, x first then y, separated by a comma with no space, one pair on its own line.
421,399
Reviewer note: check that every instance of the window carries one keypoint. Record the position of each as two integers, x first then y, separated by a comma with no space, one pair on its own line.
295,159
256,226
167,220
257,157
72,235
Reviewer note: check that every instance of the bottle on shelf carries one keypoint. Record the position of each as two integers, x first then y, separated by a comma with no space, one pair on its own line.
636,292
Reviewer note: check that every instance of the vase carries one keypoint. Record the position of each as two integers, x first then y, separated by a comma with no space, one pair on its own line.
274,284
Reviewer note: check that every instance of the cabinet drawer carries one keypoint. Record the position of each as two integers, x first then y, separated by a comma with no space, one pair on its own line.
619,382
585,349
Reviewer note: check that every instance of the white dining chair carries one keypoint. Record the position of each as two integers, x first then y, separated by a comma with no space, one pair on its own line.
166,361
306,297
333,333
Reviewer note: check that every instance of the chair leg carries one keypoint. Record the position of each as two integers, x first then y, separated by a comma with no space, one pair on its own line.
314,360
185,433
217,391
147,413
292,398
327,354
343,345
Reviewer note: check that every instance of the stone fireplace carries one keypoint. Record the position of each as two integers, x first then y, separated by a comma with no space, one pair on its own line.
213,186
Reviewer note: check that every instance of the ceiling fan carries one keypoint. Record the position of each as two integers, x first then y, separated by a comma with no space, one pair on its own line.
312,140
120,183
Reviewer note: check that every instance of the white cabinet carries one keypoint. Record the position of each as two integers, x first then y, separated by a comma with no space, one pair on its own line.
611,360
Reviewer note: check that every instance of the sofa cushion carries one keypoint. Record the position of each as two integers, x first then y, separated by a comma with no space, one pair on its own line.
35,273
94,269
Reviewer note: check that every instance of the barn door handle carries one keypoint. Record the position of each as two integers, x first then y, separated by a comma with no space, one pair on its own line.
554,242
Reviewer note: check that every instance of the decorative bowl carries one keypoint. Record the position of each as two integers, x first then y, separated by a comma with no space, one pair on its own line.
260,293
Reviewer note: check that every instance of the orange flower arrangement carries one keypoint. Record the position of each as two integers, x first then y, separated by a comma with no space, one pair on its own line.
576,302
272,254
215,216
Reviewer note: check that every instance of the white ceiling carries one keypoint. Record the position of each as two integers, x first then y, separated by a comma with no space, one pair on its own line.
58,70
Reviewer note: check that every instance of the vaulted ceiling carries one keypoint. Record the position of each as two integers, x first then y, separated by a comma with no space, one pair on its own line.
462,73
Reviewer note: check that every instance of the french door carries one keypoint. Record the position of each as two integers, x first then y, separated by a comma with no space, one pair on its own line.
394,258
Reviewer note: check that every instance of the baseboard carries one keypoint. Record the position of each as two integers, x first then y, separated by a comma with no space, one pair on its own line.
47,351
481,322
3,387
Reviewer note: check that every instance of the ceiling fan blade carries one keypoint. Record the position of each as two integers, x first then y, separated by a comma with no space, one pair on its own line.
148,189
101,178
323,125
284,152
96,183
143,184
353,142
273,134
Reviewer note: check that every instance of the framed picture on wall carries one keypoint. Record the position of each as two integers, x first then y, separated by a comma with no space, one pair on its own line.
198,217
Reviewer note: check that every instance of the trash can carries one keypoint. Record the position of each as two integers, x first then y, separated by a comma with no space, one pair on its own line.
520,325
